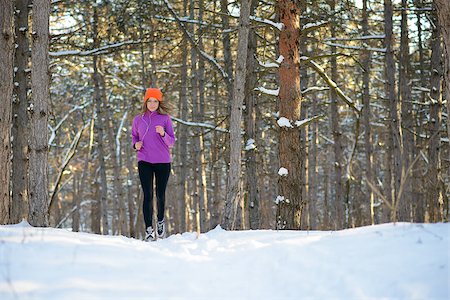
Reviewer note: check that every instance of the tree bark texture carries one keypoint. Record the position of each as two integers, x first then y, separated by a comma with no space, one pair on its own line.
291,154
434,197
100,133
443,11
6,93
252,199
40,82
19,182
404,209
394,139
368,148
234,195
339,205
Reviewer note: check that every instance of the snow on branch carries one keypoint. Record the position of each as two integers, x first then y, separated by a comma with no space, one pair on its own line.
305,122
313,26
97,51
382,50
267,91
357,38
189,20
278,26
269,64
190,38
315,89
285,122
332,84
204,125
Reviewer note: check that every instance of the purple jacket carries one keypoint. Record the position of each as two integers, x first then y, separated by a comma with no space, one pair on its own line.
155,148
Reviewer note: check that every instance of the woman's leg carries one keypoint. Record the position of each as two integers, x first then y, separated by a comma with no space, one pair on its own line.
162,173
146,177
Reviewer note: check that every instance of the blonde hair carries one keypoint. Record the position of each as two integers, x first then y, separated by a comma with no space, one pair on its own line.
163,107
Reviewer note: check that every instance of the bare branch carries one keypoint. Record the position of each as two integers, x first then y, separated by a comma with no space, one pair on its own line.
202,53
69,155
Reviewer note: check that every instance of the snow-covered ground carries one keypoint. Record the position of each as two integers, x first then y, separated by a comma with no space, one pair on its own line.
401,261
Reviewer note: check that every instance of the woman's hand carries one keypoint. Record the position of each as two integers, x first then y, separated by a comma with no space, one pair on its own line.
160,130
138,145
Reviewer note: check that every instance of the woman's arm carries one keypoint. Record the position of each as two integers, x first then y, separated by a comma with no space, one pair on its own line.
134,132
169,137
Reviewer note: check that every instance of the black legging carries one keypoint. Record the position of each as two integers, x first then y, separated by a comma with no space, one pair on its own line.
146,172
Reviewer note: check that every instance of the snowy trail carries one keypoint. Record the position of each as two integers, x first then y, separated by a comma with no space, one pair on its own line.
402,261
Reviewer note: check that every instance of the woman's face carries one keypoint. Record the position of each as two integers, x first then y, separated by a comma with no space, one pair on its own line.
152,104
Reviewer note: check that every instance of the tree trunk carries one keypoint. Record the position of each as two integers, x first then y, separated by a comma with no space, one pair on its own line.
252,200
19,182
393,152
133,188
6,95
182,134
215,200
228,60
99,126
304,131
367,114
419,203
96,213
233,194
338,162
290,152
404,209
76,204
196,192
204,212
434,196
443,11
118,198
40,81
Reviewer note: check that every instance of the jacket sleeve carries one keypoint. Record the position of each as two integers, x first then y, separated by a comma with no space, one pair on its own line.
134,132
169,137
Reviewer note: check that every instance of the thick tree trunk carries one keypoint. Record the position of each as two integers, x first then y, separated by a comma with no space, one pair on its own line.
291,154
196,191
182,134
200,112
215,207
307,216
6,93
252,199
394,140
100,130
233,198
404,206
40,82
215,200
434,196
338,163
314,170
368,148
19,182
443,10
419,202
226,41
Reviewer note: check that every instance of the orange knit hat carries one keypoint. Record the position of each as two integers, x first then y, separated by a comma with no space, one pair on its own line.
153,93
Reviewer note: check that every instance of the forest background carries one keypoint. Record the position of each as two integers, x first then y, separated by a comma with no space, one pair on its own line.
288,114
